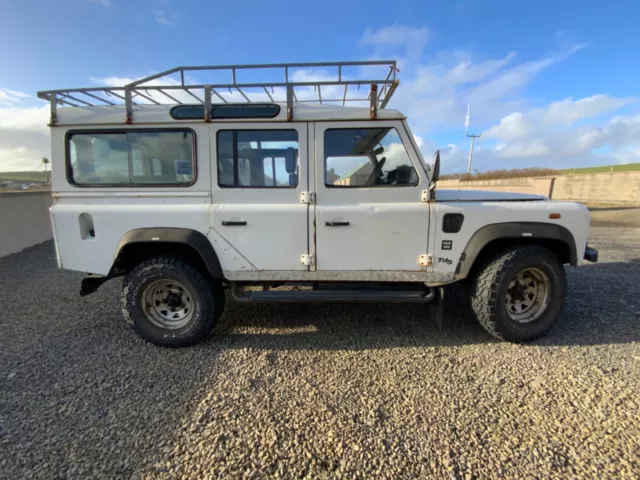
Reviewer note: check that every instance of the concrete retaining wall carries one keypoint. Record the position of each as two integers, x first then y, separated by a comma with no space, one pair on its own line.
538,186
24,220
617,187
622,187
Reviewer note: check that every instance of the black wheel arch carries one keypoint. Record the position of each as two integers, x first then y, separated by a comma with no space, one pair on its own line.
556,238
139,244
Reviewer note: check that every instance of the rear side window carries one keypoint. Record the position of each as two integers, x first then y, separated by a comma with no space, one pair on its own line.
140,157
258,158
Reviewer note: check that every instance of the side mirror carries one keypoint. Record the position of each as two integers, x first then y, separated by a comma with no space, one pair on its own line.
435,168
378,151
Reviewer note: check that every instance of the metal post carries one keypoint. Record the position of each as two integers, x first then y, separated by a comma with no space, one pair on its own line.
289,102
54,108
128,106
473,141
207,103
374,101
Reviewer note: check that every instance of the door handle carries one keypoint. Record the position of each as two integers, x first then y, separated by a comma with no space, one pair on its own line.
336,224
233,223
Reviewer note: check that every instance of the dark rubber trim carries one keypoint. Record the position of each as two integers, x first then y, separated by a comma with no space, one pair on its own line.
91,283
498,231
591,254
186,236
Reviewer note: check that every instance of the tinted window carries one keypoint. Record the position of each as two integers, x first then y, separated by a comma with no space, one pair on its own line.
132,158
366,157
258,158
196,112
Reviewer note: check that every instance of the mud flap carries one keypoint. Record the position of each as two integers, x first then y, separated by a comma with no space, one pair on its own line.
436,307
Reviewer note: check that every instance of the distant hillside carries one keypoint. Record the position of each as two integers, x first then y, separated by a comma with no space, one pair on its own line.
24,176
541,172
626,167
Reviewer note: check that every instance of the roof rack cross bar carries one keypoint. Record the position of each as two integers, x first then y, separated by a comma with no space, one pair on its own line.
169,96
108,102
242,93
71,97
140,94
390,92
268,94
193,95
218,95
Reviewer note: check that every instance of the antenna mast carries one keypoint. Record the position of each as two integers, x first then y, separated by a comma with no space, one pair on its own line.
473,137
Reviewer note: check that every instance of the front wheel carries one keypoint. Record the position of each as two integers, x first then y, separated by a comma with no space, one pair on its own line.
171,303
519,294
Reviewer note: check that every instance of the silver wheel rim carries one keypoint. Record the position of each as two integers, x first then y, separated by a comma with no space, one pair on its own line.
527,295
167,304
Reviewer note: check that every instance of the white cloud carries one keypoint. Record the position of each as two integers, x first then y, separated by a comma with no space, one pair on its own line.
24,135
556,115
436,89
11,97
434,94
163,19
568,130
104,3
412,39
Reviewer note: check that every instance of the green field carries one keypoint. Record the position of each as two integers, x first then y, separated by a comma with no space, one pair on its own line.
24,176
629,167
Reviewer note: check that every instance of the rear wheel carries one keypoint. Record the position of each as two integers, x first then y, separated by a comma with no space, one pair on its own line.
171,303
518,294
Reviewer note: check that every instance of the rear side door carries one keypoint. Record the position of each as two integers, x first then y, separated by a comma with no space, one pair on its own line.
258,174
369,213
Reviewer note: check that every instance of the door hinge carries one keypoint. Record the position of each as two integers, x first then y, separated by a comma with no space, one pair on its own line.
306,259
307,197
426,260
425,196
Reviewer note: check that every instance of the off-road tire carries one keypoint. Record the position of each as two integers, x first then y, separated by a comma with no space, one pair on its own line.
208,301
488,289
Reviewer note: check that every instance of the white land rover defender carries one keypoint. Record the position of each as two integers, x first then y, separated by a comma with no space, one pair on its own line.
185,191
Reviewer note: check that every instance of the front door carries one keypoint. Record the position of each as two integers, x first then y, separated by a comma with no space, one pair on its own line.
369,214
258,174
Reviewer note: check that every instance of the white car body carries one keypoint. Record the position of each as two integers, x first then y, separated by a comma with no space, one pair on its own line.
394,234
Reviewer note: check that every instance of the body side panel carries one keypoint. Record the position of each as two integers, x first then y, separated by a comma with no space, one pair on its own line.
448,247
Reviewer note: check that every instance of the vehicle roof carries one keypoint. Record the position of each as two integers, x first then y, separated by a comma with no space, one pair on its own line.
151,114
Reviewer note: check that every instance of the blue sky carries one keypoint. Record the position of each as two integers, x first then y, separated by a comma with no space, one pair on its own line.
550,83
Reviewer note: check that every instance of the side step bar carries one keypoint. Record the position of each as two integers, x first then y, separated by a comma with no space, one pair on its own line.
385,296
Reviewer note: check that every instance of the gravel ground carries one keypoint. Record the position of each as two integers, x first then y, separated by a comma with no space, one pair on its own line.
329,391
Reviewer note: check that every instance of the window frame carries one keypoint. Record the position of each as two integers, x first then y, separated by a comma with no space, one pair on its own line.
397,132
234,132
69,170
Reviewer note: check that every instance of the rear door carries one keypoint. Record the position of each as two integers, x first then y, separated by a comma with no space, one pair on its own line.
258,174
369,214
